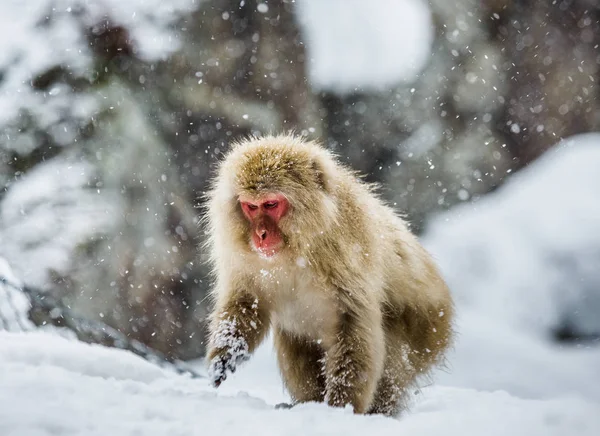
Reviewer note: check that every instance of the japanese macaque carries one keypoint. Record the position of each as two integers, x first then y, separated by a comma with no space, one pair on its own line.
300,245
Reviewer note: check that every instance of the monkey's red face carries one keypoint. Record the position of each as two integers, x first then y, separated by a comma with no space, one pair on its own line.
264,215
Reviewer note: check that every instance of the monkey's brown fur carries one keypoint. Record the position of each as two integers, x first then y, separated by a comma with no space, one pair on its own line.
357,306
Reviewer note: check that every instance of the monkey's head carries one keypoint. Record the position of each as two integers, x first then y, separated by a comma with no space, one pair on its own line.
273,195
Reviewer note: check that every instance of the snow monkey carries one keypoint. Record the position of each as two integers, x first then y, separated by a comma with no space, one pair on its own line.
300,245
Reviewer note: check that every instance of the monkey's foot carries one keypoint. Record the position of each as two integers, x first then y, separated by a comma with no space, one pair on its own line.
284,406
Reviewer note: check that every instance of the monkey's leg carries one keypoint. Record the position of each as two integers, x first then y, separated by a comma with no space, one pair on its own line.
355,362
301,366
398,374
415,342
237,327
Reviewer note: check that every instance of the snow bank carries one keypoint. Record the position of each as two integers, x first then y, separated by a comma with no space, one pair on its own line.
357,44
529,255
97,391
43,350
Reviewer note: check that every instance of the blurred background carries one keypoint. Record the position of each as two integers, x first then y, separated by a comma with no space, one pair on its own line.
476,116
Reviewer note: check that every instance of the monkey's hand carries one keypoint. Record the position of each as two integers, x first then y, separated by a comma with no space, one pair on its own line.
224,361
229,350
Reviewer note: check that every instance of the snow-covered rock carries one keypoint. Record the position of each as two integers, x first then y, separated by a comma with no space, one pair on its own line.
48,213
529,254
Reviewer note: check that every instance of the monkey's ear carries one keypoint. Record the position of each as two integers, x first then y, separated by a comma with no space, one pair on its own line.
322,174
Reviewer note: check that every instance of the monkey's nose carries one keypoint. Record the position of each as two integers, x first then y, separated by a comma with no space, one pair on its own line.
262,234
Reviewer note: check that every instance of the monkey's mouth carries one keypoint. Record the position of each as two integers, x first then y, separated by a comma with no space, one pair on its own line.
267,243
267,250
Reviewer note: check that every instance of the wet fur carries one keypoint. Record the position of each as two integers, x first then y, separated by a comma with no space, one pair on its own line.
357,306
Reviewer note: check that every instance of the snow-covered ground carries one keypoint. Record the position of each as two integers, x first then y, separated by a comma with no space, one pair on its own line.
505,375
51,386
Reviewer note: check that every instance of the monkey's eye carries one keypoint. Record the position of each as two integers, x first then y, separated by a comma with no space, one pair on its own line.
271,205
252,206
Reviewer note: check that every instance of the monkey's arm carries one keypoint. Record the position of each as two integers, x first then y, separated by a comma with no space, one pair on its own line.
355,361
237,327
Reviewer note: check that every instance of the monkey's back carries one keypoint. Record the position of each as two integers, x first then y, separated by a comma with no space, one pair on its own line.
414,292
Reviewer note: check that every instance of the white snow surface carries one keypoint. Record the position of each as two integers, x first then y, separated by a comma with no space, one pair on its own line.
52,385
353,44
